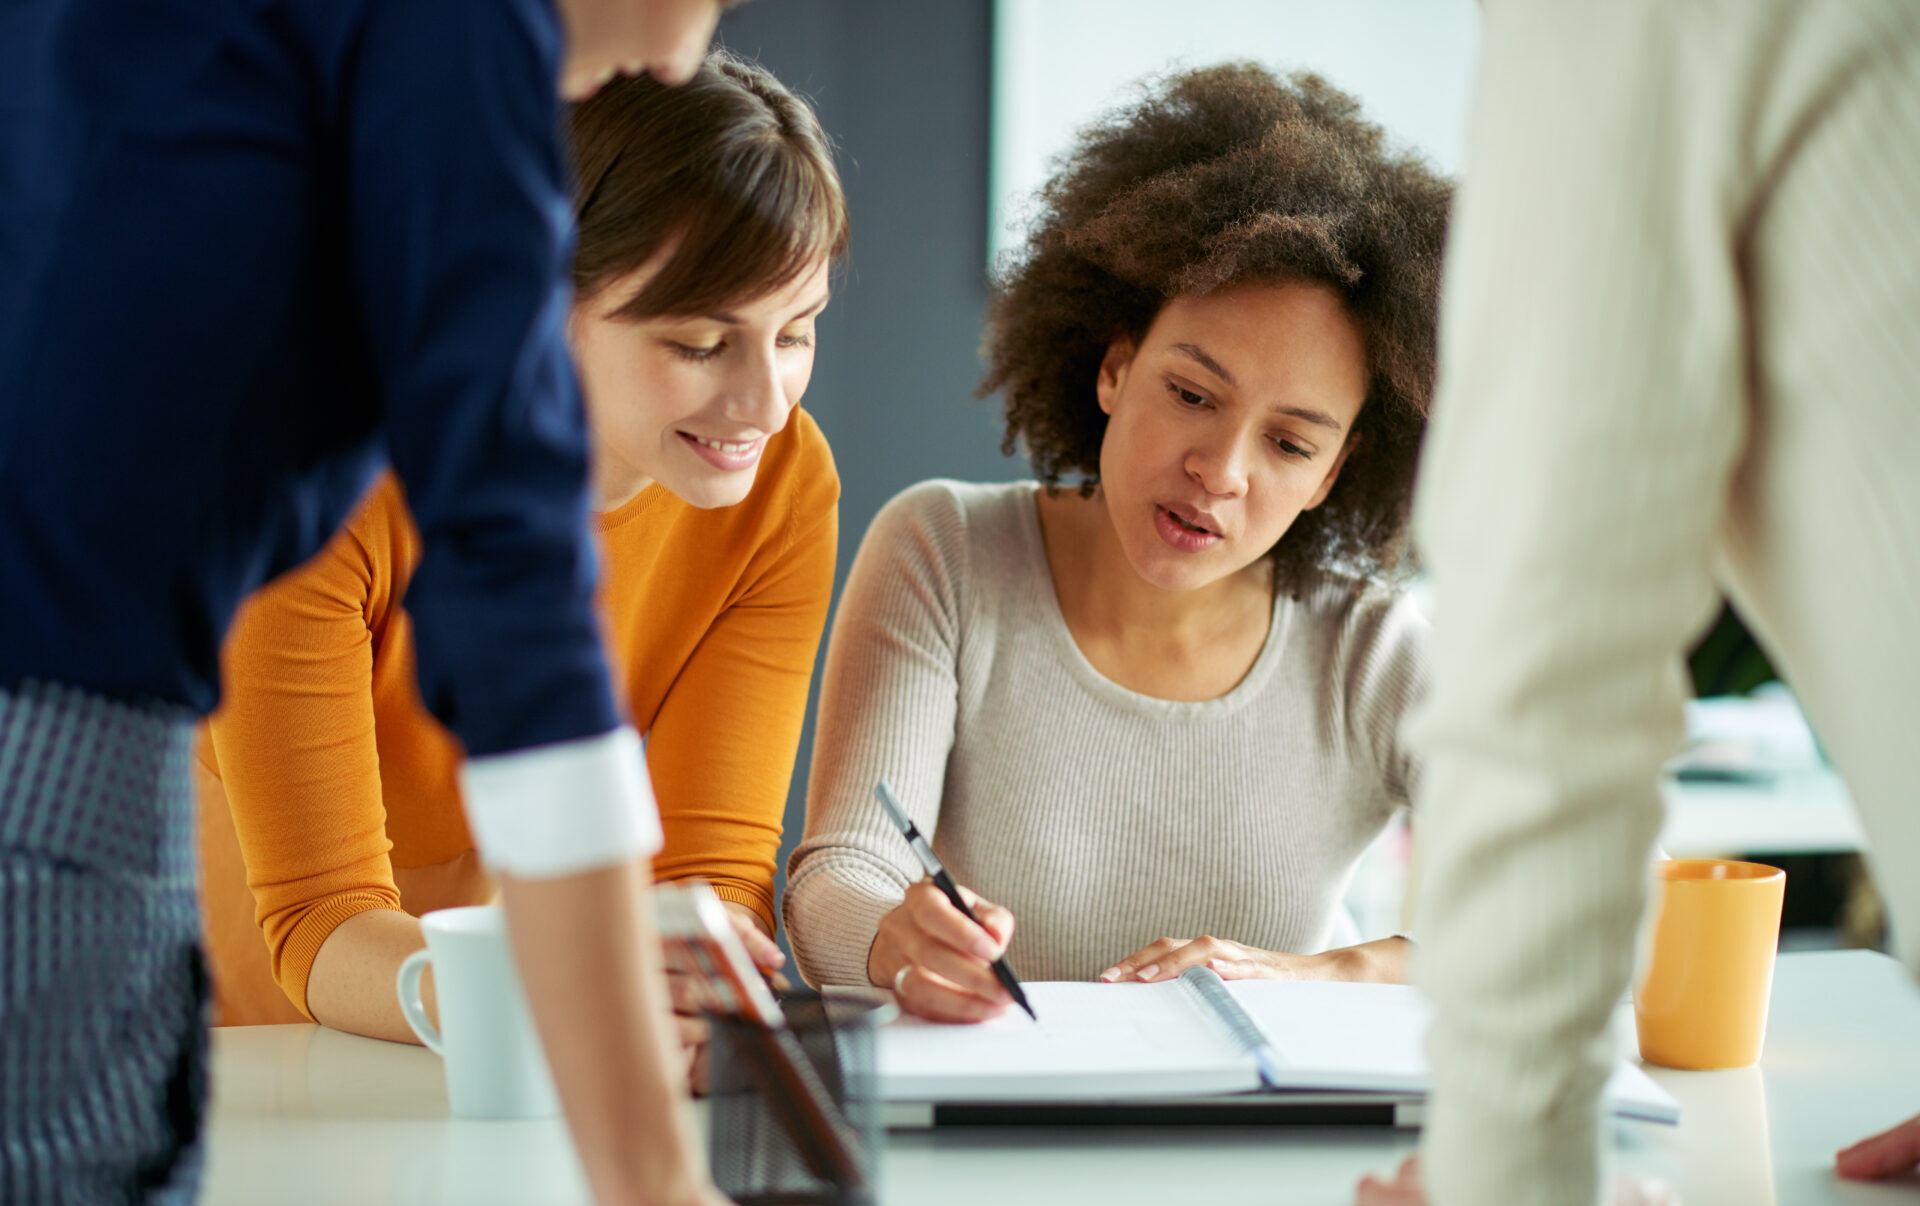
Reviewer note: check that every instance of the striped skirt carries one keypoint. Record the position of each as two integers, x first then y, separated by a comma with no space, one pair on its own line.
103,989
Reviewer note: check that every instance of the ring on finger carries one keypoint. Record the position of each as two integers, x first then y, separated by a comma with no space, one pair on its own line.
900,977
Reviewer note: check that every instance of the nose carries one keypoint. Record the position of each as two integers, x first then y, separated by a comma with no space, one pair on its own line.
757,397
1219,467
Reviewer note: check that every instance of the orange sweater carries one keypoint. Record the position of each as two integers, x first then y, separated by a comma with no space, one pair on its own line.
342,788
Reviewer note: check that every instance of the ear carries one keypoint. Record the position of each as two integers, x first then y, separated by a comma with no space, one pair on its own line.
1333,474
1113,371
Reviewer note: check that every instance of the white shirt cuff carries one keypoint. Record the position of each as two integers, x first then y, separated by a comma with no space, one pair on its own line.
561,809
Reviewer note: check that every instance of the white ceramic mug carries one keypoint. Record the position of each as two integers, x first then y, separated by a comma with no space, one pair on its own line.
495,1068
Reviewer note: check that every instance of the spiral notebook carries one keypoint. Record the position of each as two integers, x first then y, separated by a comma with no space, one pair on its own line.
1198,1037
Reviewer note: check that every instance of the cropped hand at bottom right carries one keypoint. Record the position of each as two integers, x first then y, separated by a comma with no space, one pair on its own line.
1889,1154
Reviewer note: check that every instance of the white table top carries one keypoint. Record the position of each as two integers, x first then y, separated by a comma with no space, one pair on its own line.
306,1115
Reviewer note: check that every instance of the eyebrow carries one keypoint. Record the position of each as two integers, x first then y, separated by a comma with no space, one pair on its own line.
1199,355
734,320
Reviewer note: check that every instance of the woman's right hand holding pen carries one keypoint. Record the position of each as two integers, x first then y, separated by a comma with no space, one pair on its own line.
938,964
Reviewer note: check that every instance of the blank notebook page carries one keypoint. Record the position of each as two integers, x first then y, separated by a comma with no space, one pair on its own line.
1363,1035
1333,1035
1090,1038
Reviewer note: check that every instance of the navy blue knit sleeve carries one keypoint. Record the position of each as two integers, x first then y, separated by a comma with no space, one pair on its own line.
462,231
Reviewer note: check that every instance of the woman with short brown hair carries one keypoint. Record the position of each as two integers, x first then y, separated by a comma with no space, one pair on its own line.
709,215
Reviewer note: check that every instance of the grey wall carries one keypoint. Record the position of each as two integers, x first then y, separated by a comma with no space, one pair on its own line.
902,87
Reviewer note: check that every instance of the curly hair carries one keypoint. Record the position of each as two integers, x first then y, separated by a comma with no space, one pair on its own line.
1219,177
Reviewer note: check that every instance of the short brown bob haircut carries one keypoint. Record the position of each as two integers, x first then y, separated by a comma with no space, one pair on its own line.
1219,177
730,164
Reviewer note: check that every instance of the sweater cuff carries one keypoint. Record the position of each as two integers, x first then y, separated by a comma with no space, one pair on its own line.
748,899
833,914
293,963
562,809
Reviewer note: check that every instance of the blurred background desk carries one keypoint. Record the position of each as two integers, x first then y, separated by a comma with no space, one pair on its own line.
304,1116
1801,819
1805,812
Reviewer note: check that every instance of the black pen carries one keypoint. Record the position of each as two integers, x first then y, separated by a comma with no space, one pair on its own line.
944,882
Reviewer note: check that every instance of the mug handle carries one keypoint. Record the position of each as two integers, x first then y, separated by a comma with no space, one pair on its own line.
415,1010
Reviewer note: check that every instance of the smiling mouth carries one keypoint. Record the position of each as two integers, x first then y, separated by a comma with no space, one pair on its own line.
723,446
725,456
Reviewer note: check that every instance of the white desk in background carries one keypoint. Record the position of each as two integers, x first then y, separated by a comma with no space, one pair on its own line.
303,1115
1803,811
1800,812
1785,798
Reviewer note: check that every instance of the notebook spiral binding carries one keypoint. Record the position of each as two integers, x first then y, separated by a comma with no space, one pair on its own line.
1206,984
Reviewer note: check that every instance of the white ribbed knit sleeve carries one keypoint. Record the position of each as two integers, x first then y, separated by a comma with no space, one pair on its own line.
888,702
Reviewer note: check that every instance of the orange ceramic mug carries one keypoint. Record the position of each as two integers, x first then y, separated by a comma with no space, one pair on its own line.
1702,1001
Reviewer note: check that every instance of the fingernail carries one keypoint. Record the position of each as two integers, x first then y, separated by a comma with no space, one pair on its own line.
1110,975
1149,971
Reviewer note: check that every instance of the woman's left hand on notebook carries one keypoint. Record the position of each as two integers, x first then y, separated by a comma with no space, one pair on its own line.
1384,960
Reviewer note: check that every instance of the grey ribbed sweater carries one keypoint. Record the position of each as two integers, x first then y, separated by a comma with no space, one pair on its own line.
1103,818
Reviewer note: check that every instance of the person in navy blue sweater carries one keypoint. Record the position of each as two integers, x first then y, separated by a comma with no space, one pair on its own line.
250,251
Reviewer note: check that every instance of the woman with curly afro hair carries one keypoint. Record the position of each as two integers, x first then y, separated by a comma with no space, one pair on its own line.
1151,703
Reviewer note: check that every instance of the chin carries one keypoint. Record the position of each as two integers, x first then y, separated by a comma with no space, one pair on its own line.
1164,572
713,494
1176,580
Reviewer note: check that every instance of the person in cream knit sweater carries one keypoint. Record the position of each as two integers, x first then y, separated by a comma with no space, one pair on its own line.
1682,336
330,809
